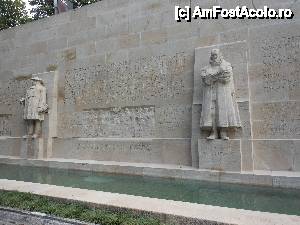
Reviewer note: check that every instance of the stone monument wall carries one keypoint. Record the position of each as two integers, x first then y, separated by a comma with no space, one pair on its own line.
128,87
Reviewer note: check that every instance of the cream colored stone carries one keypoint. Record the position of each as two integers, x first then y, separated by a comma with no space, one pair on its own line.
154,69
246,155
276,120
139,150
221,155
154,37
275,155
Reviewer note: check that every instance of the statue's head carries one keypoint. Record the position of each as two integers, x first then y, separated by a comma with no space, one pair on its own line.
216,57
37,80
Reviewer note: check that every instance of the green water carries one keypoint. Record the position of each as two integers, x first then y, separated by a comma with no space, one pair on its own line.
265,199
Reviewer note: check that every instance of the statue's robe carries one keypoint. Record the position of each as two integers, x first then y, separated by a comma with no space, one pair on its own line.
219,95
35,103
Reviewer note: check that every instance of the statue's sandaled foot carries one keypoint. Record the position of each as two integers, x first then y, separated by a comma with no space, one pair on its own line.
224,135
27,136
211,137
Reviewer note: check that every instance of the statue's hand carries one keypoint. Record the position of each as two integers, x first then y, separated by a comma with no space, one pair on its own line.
224,79
22,101
43,109
208,76
207,81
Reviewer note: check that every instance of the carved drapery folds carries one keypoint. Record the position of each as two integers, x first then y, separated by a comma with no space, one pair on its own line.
219,107
35,106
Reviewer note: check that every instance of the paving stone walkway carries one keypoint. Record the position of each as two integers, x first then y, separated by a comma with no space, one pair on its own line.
16,217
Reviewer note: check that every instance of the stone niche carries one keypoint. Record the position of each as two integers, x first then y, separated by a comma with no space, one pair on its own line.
12,125
223,155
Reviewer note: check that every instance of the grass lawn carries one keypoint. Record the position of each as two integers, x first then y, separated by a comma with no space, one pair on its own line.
71,210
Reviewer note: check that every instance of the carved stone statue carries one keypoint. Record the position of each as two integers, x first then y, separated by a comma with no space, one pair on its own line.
35,107
219,107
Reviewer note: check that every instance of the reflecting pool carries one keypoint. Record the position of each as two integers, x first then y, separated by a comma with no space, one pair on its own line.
265,199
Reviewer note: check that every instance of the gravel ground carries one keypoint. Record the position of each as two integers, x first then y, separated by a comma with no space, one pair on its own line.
18,217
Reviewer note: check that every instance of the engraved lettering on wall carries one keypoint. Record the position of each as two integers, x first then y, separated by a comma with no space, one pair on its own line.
5,129
140,80
114,147
111,122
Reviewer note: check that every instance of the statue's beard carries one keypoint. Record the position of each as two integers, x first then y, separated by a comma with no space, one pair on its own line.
215,62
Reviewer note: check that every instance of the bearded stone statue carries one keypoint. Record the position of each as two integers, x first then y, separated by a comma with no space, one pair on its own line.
219,107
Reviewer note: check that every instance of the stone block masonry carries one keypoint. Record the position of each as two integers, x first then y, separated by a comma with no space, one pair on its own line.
128,86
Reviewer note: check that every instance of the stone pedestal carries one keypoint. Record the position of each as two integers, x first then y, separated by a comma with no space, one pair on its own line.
38,145
32,148
25,145
219,154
